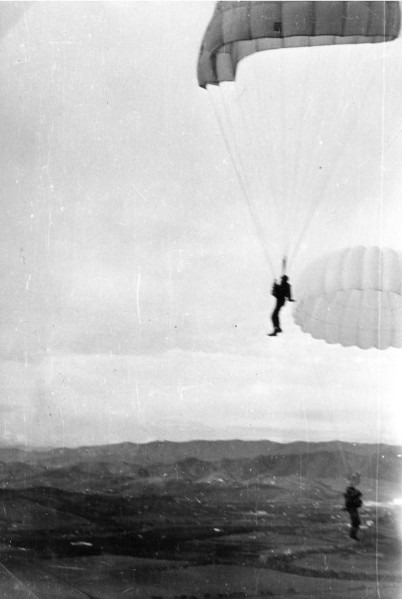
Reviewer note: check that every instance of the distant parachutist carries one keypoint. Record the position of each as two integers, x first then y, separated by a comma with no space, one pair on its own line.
281,292
353,501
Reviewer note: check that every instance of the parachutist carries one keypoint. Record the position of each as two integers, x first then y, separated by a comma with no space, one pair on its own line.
353,502
281,292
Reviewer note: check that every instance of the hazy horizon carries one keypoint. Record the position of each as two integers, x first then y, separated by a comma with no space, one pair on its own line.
193,441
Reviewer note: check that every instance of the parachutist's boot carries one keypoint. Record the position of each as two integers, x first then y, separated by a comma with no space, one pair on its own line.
276,331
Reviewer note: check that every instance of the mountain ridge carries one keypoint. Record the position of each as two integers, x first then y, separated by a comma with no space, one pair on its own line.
170,451
122,468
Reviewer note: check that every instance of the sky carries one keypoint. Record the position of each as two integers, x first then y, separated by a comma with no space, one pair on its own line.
135,295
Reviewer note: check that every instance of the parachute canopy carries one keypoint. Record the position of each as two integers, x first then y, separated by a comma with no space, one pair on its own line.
238,29
353,297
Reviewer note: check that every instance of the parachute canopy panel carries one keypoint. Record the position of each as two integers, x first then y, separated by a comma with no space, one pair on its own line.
238,29
353,297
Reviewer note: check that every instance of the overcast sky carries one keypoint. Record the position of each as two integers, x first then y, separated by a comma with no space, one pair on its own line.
135,294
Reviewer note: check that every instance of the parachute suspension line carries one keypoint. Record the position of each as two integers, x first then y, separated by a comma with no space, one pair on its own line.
273,211
264,190
382,179
393,140
284,145
252,136
322,384
266,130
241,170
321,192
308,221
291,152
265,127
314,153
259,229
379,395
314,150
241,179
377,466
256,77
275,133
305,419
317,109
284,262
305,102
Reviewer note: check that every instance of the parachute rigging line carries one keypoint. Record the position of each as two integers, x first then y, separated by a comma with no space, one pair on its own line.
382,194
261,187
243,185
334,421
261,234
321,197
379,402
296,163
257,84
284,262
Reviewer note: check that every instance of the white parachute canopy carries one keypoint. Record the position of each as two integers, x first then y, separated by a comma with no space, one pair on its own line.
353,297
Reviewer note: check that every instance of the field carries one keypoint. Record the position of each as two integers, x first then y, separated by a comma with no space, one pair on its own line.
197,536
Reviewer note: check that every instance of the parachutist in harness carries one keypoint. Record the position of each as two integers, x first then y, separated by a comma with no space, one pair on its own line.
353,502
281,292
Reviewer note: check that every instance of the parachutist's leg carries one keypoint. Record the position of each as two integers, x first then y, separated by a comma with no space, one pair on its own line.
355,522
275,318
278,328
275,321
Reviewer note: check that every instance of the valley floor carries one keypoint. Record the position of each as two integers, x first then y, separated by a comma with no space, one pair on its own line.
187,549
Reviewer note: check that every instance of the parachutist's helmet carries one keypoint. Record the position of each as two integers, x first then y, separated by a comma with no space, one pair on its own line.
285,278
